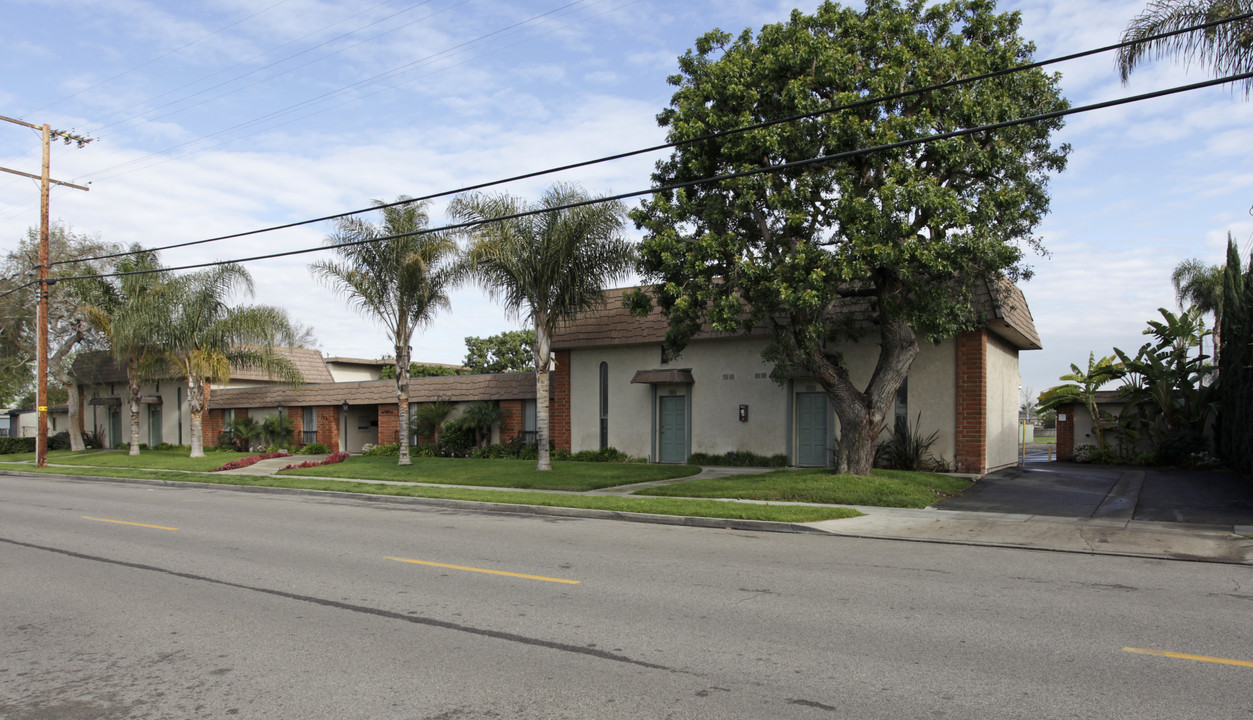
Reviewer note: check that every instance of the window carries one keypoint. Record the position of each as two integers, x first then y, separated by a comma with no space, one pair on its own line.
529,433
604,405
902,403
308,425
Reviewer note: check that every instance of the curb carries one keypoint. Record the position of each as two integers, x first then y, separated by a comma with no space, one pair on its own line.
476,505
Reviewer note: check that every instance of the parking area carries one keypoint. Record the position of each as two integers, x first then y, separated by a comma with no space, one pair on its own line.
1087,491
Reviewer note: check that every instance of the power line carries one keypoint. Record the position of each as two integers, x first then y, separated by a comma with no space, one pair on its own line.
702,138
689,183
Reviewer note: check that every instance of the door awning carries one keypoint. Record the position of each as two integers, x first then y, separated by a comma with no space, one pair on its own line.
150,400
110,402
657,377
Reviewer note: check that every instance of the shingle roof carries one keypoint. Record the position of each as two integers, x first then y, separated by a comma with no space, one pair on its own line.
1005,307
99,367
457,388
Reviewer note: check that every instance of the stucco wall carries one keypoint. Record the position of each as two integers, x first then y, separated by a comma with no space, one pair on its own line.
352,372
729,373
1002,412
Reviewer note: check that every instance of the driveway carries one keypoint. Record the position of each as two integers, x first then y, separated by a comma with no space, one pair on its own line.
1088,491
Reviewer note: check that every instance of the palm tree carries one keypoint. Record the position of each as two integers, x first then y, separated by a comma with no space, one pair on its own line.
129,313
429,419
399,274
1226,49
1200,286
1081,388
202,338
546,267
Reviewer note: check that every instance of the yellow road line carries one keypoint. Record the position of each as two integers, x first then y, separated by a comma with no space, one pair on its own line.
1185,656
123,522
491,572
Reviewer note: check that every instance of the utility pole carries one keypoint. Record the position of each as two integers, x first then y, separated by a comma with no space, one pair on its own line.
45,190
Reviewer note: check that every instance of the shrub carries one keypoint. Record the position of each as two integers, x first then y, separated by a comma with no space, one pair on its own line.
908,448
331,459
392,449
170,446
93,439
314,448
60,441
738,458
457,438
609,454
12,445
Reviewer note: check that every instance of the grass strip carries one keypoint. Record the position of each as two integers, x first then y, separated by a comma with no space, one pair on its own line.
655,506
572,476
885,488
149,459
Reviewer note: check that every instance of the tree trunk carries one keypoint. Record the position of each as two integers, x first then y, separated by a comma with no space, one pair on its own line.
195,413
543,357
862,415
132,386
76,414
402,404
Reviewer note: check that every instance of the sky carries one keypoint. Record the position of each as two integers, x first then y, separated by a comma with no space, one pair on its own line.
223,116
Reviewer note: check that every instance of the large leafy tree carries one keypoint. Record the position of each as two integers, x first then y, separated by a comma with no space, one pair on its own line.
1225,49
512,351
203,336
1235,426
69,330
904,234
130,309
547,267
396,273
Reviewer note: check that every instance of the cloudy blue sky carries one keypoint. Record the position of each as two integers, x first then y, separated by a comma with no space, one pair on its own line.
226,115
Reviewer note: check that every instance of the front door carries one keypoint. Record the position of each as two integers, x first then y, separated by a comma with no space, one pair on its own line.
673,429
115,427
811,429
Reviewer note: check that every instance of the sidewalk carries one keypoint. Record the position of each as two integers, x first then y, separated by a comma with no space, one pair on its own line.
1111,530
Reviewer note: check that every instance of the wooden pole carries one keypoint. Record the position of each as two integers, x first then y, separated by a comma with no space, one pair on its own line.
41,392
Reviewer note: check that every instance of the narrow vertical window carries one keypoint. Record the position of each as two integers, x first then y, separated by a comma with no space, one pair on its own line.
604,405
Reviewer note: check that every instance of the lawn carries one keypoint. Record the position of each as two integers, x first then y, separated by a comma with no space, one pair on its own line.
1041,440
153,459
655,506
885,488
574,476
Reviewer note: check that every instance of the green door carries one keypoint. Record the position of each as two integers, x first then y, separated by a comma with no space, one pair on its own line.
811,429
115,426
673,429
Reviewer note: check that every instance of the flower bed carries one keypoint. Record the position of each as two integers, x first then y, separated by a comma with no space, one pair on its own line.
337,457
250,460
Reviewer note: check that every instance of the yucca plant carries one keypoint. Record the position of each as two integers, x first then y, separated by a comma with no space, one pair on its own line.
907,448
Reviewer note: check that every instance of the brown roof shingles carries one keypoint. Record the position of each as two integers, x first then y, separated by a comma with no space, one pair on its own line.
99,367
612,324
457,388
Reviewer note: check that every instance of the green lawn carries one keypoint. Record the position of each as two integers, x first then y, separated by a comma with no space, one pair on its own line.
655,506
576,476
153,459
885,488
1044,440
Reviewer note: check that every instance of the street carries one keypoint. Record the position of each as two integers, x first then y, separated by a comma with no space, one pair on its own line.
134,601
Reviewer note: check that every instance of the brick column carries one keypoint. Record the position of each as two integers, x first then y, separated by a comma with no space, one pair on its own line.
559,405
388,424
972,403
511,420
328,426
1066,432
297,415
211,427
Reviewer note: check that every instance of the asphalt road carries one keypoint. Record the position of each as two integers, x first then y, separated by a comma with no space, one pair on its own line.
218,603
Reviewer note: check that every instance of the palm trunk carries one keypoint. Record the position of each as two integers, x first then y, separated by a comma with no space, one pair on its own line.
402,404
543,357
195,413
132,385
